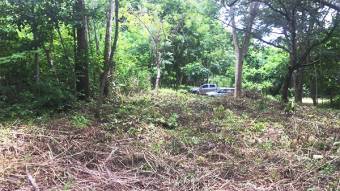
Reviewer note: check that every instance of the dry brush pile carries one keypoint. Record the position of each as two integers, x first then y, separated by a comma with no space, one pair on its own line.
175,141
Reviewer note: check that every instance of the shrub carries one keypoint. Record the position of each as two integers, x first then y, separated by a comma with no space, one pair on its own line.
80,121
51,95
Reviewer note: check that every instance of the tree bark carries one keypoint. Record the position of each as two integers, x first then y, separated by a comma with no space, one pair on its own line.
292,56
48,53
82,60
37,66
238,75
36,56
110,67
158,65
158,59
89,35
241,50
299,85
313,84
49,57
107,48
286,84
96,37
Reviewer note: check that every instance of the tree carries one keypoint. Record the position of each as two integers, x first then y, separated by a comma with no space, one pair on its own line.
332,5
241,48
82,57
109,52
156,30
300,24
31,13
107,49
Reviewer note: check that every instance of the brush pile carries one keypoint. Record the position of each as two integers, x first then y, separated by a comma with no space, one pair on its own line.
175,142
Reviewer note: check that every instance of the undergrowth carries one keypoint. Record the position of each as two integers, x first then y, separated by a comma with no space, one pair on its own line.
175,141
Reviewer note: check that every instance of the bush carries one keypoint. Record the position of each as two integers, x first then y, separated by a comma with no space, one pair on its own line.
80,121
134,81
335,103
43,97
51,95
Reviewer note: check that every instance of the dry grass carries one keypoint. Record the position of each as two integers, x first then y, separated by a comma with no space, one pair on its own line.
210,144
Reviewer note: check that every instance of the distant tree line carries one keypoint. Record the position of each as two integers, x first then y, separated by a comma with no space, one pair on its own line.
57,51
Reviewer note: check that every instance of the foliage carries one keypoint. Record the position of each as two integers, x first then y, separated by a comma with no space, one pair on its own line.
196,48
264,69
80,121
168,139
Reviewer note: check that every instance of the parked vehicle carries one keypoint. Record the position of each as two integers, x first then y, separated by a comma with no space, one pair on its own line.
194,90
205,88
222,92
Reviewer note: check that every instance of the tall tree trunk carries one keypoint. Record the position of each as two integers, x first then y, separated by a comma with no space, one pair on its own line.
107,48
158,57
241,49
96,37
158,65
89,35
48,53
286,84
316,102
82,60
288,78
109,69
74,36
292,56
299,85
48,57
238,75
313,87
37,66
36,56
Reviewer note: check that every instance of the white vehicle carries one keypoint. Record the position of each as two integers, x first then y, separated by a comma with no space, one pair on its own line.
205,88
194,90
222,92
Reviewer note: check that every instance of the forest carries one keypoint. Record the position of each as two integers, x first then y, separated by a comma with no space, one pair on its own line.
97,95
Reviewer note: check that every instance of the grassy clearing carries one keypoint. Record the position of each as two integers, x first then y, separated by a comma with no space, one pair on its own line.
175,141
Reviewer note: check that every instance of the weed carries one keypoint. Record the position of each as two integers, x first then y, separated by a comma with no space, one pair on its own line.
195,140
68,185
201,160
290,107
327,169
172,121
157,147
147,167
134,131
219,112
268,145
258,127
80,121
176,146
262,105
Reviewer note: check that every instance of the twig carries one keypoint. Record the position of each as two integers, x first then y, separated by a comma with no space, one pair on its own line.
32,181
110,155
